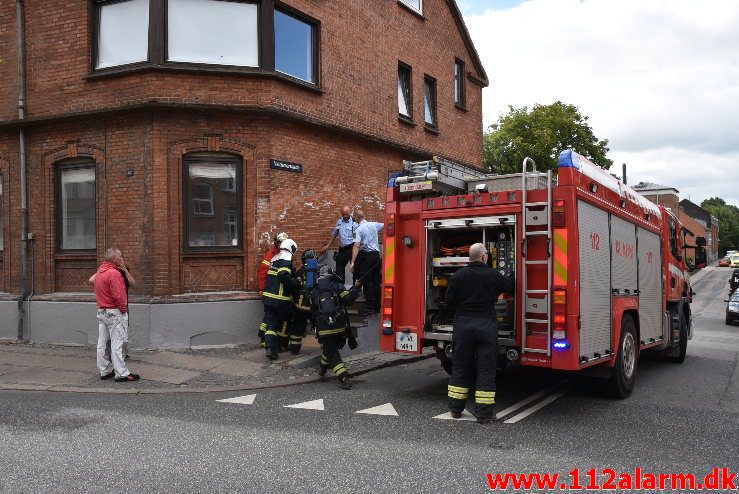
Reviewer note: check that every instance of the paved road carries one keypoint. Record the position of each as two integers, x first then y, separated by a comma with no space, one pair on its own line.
681,418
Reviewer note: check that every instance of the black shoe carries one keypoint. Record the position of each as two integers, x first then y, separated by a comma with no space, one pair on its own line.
107,376
295,351
455,415
129,378
322,371
353,343
483,420
345,383
271,354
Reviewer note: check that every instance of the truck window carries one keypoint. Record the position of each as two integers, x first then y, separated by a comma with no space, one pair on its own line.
673,238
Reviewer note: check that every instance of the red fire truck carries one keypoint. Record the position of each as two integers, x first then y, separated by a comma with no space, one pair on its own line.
600,270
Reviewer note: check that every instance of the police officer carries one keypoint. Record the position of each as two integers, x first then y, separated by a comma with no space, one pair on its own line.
277,296
366,260
344,231
329,299
473,291
262,276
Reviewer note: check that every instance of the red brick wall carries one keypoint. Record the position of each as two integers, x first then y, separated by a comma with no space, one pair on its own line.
361,43
8,62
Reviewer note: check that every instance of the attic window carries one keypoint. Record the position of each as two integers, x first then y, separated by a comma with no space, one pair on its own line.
415,5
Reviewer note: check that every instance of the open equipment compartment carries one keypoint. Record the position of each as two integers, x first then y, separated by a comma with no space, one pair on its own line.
447,244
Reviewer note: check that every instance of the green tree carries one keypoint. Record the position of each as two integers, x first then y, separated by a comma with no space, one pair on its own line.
728,223
541,133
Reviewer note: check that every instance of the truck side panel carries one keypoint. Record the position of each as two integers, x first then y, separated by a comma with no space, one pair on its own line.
623,257
650,285
595,280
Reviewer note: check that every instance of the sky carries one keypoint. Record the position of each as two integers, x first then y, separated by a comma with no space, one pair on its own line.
658,78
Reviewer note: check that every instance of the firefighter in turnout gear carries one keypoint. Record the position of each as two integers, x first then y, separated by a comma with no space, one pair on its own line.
329,299
278,296
306,276
472,292
262,276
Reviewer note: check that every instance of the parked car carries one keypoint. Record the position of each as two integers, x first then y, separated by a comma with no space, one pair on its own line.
724,262
735,261
732,308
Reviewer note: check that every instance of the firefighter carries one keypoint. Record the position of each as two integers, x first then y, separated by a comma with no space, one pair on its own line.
277,296
329,299
472,292
305,275
262,277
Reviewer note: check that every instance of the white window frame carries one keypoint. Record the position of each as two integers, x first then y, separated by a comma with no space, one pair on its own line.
411,5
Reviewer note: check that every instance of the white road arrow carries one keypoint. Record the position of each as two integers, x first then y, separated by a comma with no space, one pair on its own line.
448,416
241,400
308,405
386,409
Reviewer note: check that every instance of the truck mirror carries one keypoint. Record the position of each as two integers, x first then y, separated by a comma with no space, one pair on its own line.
700,241
700,257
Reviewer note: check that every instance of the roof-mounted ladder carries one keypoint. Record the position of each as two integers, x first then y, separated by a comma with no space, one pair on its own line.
536,214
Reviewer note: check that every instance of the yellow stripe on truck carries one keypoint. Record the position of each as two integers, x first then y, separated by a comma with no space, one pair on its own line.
560,257
389,261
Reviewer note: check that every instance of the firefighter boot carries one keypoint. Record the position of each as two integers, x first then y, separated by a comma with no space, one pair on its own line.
323,370
455,415
345,383
271,353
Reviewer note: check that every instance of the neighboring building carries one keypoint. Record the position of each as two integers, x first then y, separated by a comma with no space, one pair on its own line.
188,132
693,217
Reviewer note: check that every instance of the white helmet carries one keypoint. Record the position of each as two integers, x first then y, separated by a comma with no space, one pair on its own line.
289,245
280,237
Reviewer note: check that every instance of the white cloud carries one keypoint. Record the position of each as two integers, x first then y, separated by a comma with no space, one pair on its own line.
658,78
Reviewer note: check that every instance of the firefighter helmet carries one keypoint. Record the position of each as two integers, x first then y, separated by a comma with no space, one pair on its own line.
280,237
289,245
325,271
308,254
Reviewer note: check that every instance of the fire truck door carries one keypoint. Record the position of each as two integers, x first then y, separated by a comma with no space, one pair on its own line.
623,257
595,280
650,285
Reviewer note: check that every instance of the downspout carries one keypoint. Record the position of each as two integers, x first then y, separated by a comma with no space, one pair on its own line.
20,20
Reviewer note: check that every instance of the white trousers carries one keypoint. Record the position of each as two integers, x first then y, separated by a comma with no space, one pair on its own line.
113,326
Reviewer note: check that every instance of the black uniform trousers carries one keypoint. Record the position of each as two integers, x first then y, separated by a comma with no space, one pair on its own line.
369,269
297,330
331,358
343,256
475,350
276,318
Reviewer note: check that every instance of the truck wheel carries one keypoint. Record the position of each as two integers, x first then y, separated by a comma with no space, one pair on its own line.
679,357
623,373
446,362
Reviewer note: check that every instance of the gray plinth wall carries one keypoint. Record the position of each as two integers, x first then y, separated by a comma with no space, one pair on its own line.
179,325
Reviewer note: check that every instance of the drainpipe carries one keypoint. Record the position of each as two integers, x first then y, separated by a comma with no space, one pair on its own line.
20,20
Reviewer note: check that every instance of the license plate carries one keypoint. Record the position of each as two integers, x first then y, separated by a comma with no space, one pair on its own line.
406,342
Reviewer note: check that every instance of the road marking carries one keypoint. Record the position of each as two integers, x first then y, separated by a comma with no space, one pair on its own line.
528,400
448,416
536,407
308,405
386,409
241,400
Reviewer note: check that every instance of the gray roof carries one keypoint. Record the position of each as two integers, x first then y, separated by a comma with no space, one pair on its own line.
647,186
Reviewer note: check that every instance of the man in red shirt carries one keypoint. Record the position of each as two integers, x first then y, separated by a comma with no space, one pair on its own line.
112,314
262,276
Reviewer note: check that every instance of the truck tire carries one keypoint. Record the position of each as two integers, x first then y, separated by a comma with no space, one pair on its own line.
623,373
446,362
679,357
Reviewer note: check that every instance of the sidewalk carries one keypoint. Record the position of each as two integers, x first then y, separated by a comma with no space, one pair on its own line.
40,367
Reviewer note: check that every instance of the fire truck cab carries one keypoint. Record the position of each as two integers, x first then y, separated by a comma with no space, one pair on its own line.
600,270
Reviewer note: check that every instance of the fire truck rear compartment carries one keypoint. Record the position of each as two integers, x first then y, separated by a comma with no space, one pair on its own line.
448,244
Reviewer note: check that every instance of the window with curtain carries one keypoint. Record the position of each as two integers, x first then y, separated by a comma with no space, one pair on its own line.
123,33
76,206
213,201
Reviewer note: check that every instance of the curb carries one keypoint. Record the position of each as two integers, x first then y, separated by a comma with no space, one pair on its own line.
219,389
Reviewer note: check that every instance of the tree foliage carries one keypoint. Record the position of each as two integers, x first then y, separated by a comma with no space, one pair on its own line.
728,223
541,133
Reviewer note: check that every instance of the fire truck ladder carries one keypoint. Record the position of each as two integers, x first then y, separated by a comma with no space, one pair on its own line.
536,302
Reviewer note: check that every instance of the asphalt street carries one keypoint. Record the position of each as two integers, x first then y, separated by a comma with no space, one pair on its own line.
682,418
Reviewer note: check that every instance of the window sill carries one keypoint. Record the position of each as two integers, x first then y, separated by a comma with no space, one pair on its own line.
76,256
123,70
412,10
461,108
406,121
189,253
431,129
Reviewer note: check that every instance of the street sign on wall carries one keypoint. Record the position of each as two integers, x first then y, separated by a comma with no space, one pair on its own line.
286,166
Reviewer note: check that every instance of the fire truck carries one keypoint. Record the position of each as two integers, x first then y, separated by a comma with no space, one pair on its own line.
600,270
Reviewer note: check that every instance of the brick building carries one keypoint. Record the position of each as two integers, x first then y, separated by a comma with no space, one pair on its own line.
188,132
693,217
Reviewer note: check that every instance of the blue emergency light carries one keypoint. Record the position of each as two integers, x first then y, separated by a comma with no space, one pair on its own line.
561,345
